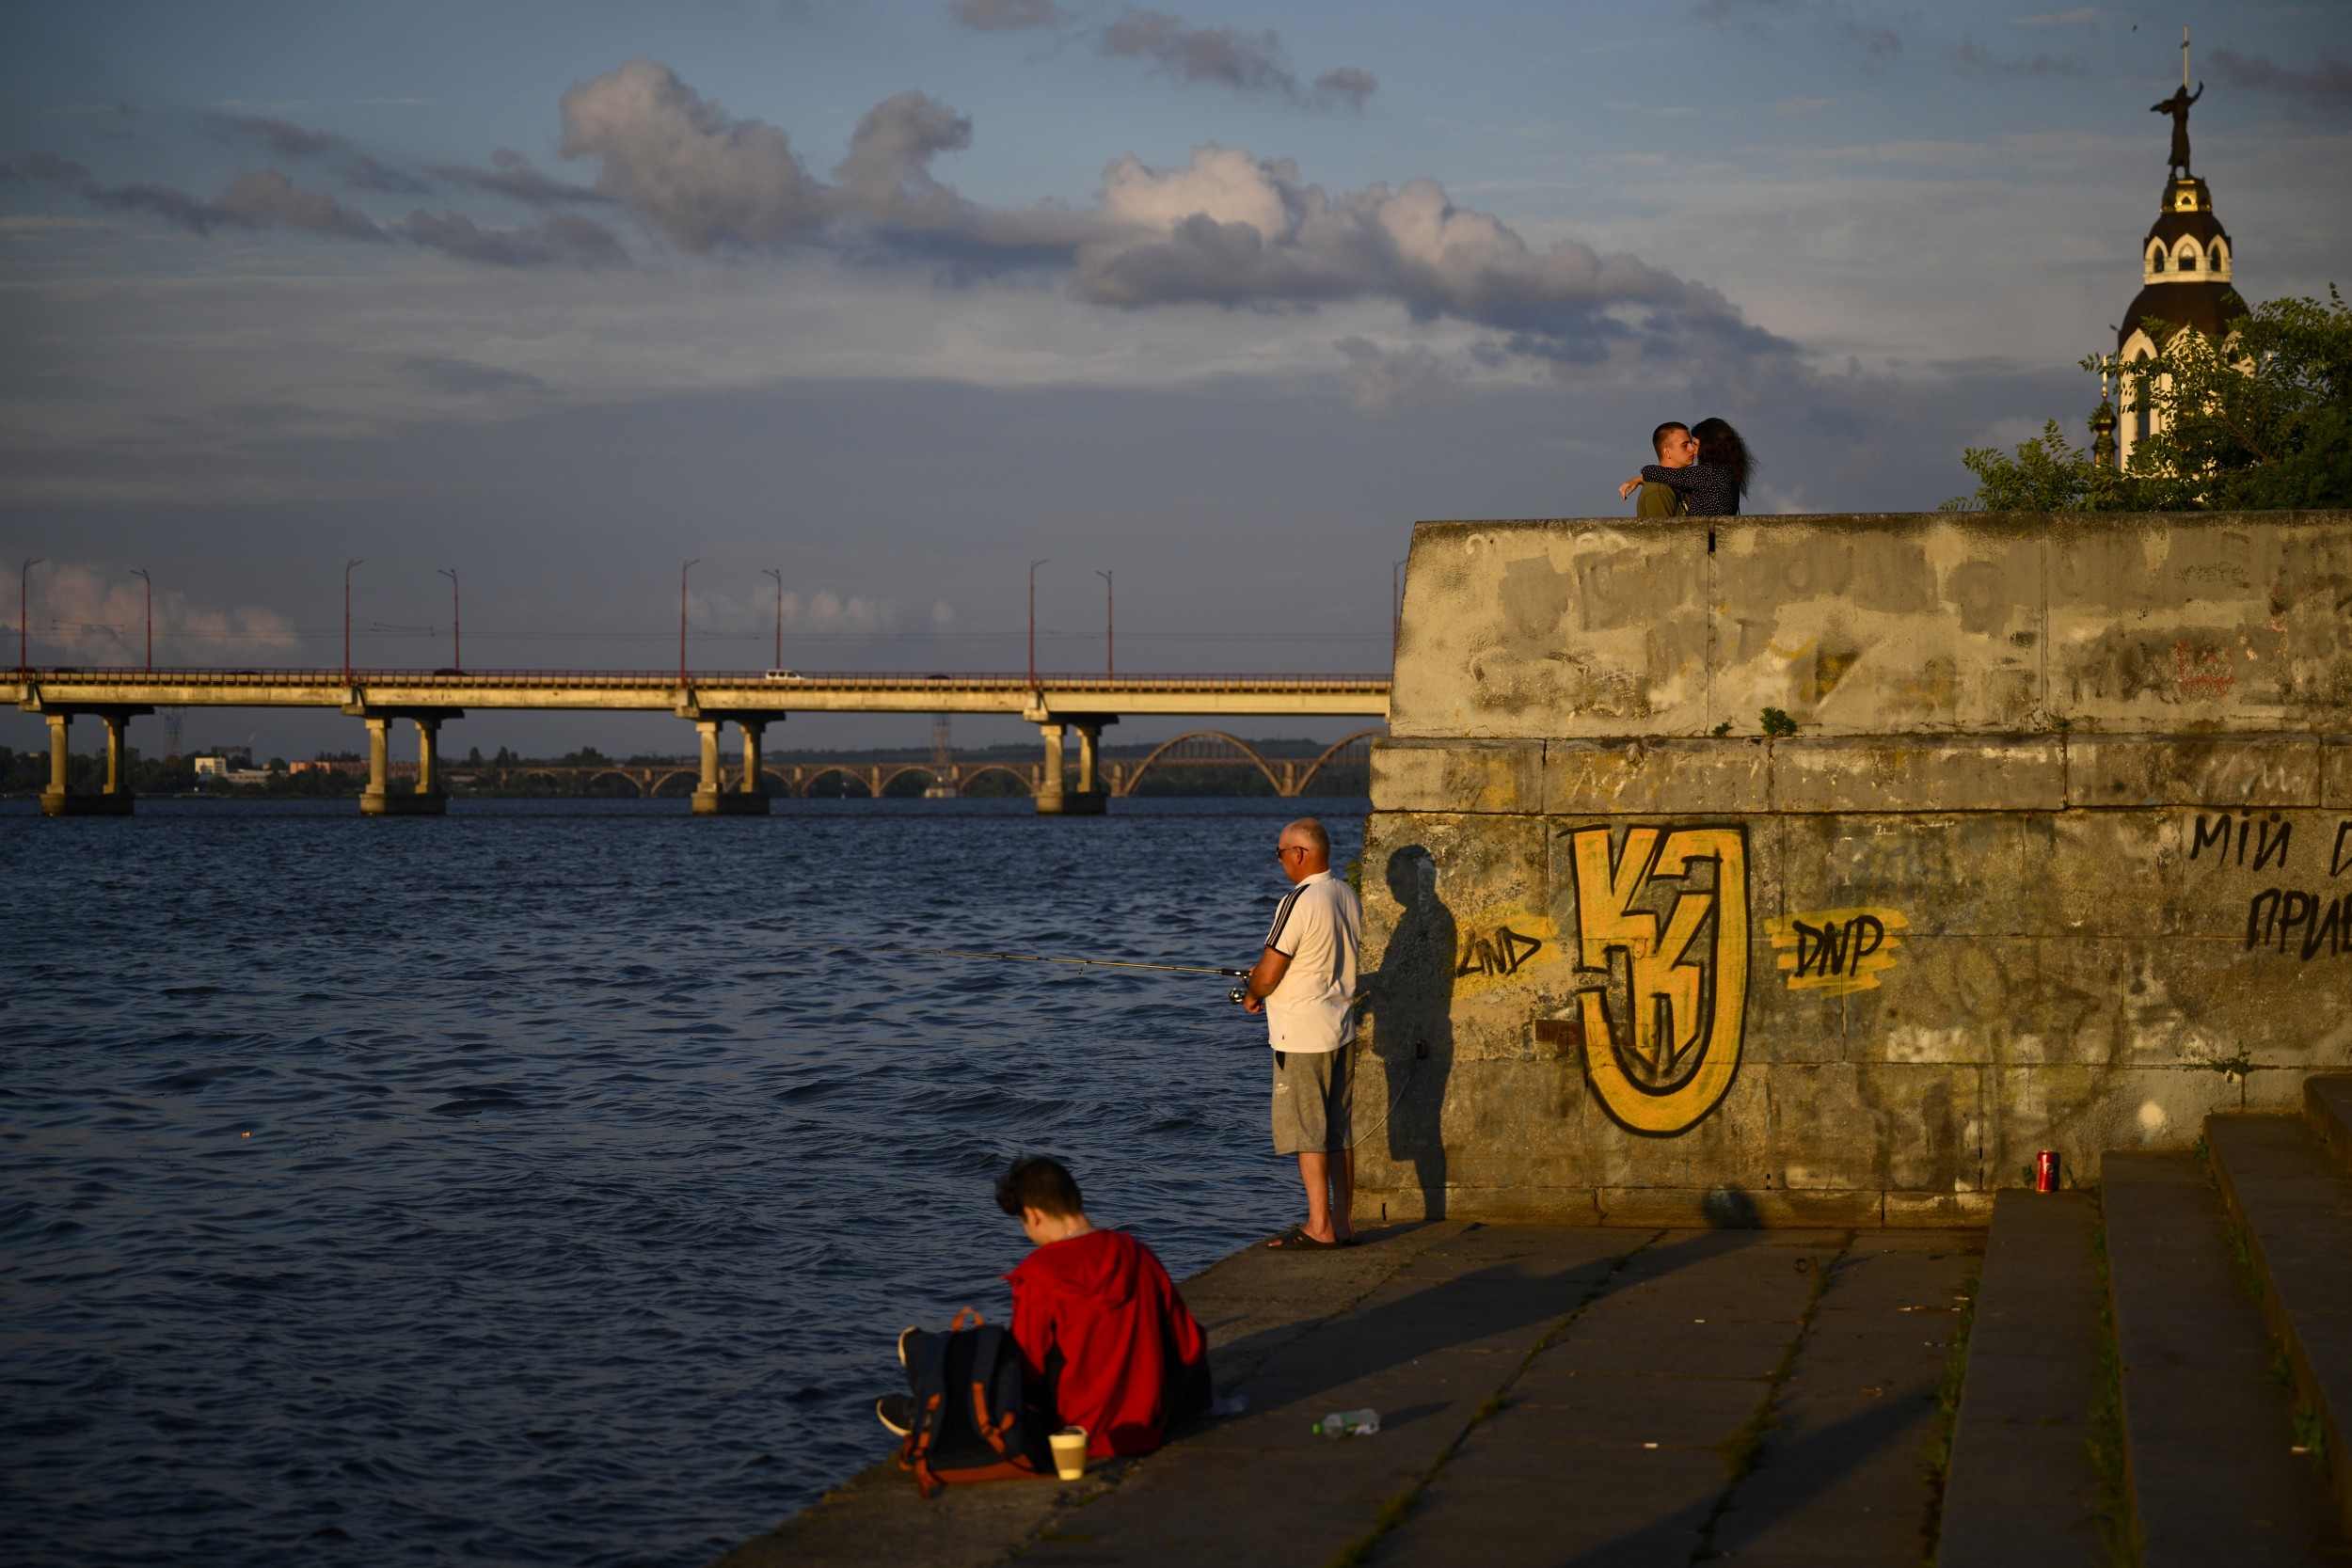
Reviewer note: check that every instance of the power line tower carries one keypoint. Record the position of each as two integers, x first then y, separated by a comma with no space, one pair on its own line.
943,761
171,731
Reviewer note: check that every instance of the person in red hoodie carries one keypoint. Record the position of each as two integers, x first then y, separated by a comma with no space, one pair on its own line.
1106,1343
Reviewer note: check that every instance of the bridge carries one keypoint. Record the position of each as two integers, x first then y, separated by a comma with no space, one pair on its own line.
876,775
1060,706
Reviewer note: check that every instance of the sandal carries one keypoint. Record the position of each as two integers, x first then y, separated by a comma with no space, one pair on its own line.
1296,1238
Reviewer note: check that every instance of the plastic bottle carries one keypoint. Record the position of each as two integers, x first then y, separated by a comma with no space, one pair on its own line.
1349,1423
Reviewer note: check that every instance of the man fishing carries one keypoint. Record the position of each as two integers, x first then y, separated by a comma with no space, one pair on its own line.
1305,982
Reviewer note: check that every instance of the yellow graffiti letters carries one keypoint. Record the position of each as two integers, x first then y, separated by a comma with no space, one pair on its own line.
1675,1056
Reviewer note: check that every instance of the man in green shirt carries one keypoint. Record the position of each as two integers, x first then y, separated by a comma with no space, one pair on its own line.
1676,448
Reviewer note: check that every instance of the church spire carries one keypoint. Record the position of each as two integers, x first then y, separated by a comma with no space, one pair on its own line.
2185,261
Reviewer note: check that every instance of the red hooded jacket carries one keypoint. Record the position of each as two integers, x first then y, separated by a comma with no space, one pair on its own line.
1106,1341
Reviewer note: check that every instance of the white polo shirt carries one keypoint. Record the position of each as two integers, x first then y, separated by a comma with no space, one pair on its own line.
1320,928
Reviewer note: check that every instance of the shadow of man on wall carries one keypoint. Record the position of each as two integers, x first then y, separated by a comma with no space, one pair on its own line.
1412,1006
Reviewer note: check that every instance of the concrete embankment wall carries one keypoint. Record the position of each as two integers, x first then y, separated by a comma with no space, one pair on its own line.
2059,857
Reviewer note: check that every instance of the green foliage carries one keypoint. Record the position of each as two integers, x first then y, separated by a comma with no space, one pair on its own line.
2259,423
1776,721
1723,728
2048,474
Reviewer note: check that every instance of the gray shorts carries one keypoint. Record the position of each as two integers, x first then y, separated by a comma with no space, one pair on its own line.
1313,1094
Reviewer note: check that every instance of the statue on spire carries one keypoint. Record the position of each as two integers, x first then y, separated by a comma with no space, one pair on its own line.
2177,106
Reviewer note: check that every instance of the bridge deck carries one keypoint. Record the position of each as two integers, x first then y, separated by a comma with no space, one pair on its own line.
709,694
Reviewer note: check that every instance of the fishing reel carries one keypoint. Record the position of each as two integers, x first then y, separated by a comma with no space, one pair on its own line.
1238,995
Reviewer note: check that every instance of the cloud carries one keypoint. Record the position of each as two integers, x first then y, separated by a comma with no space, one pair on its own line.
1228,229
263,198
94,612
1225,228
1252,64
282,137
1880,43
1347,87
1388,381
266,199
2082,17
2327,84
1971,58
1248,63
365,172
1007,16
823,611
463,377
511,174
887,177
566,237
681,165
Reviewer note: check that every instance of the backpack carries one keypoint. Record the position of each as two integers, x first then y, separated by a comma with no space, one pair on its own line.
970,1420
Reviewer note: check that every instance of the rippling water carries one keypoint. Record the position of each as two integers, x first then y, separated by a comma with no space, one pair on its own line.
544,1185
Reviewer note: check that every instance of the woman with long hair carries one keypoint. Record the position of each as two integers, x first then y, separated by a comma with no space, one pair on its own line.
1711,485
1720,445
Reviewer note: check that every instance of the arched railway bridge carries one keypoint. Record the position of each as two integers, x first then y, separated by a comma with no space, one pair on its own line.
1290,777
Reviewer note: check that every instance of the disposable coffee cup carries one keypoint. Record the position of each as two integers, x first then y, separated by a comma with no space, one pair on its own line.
1069,1453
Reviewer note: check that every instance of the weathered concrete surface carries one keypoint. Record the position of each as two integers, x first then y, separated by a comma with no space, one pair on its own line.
2205,1428
2022,1492
2328,1104
2295,1204
1252,1305
2064,841
1547,1393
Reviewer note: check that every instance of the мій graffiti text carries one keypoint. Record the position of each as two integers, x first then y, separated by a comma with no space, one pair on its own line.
2282,919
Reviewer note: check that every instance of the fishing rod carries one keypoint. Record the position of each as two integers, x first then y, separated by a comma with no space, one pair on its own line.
1049,959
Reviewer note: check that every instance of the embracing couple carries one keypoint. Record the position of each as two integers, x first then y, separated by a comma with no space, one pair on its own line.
1702,471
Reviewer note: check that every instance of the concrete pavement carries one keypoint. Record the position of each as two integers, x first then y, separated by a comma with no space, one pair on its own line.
1547,1394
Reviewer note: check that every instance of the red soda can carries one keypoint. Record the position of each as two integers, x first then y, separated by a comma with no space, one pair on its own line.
2046,1171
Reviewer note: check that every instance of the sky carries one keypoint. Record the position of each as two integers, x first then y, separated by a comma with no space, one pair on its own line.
892,300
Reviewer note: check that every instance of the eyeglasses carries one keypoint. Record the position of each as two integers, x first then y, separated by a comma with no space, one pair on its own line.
1290,849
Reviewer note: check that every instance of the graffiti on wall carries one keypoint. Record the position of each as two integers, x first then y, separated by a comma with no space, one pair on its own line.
2302,923
1833,952
1501,948
1662,947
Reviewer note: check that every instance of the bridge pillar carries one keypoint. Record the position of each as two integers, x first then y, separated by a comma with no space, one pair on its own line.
426,798
710,799
429,756
58,799
1054,797
1049,790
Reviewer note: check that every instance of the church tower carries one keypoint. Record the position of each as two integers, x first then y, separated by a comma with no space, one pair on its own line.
2185,264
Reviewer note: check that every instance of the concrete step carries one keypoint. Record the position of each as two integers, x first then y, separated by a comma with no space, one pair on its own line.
2022,1491
2328,1106
2206,1429
2295,1200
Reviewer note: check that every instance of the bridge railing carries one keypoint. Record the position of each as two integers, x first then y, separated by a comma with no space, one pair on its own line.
247,675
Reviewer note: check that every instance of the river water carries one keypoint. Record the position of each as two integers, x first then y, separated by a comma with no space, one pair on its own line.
546,1184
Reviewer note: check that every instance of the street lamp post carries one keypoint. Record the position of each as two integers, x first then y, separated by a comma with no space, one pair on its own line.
140,574
779,576
456,620
347,566
23,616
1110,626
1033,566
681,616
